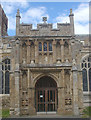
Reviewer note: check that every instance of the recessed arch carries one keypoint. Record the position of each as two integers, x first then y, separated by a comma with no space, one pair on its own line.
40,46
42,75
6,66
6,57
46,94
85,82
90,79
85,67
45,46
46,81
84,57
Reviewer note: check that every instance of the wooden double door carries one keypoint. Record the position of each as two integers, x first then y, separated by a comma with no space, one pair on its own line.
46,99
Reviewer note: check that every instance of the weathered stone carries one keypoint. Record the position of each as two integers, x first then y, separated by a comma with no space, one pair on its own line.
58,59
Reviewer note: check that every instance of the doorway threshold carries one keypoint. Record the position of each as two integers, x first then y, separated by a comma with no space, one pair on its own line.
47,113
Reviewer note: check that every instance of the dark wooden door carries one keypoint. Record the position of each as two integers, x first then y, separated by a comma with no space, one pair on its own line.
46,99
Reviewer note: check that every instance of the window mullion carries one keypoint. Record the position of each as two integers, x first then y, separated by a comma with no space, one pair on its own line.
47,46
88,78
42,47
4,83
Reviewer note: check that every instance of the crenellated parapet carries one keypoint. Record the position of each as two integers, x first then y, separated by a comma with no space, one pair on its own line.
3,22
45,29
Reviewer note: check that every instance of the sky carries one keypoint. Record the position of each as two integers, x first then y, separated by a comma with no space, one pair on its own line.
56,12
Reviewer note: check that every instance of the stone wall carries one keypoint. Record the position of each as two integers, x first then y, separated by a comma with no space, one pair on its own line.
45,30
86,99
3,22
5,100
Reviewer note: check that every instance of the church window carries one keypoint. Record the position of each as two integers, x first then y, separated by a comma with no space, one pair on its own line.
32,43
85,84
5,76
24,44
50,46
90,79
82,65
7,82
86,73
45,46
85,64
40,46
88,64
2,83
66,44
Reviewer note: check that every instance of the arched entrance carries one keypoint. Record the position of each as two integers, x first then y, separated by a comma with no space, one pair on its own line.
46,94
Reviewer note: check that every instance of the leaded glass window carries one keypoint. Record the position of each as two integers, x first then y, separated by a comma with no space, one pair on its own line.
45,46
90,79
7,82
86,70
5,76
2,82
50,46
40,46
66,44
85,84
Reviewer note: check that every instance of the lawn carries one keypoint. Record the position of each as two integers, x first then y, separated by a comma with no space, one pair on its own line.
5,113
87,112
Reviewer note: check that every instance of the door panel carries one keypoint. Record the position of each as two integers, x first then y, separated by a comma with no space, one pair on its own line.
46,99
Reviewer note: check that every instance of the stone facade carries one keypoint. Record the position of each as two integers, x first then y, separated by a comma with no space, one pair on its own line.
38,54
3,23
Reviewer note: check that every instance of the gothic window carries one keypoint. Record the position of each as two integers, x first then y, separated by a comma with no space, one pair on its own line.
40,46
66,49
90,79
85,84
24,44
32,43
66,44
58,50
8,45
32,52
7,82
50,46
5,76
45,46
86,73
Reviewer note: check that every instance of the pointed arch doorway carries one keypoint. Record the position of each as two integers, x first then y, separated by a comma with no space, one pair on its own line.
46,95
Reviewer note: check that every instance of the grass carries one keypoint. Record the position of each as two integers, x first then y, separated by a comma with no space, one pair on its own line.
5,113
87,112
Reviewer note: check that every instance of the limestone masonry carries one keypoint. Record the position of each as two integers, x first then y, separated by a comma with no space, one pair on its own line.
44,70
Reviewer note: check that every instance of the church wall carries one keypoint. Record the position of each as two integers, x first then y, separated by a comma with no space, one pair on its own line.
28,64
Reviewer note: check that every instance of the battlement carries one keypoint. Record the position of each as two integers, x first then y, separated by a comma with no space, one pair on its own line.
3,22
45,29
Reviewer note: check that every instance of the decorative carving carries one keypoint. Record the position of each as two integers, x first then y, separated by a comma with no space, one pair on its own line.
34,75
74,62
70,11
28,43
24,72
67,60
32,61
24,102
68,101
57,74
44,19
54,42
32,43
62,42
24,44
67,72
